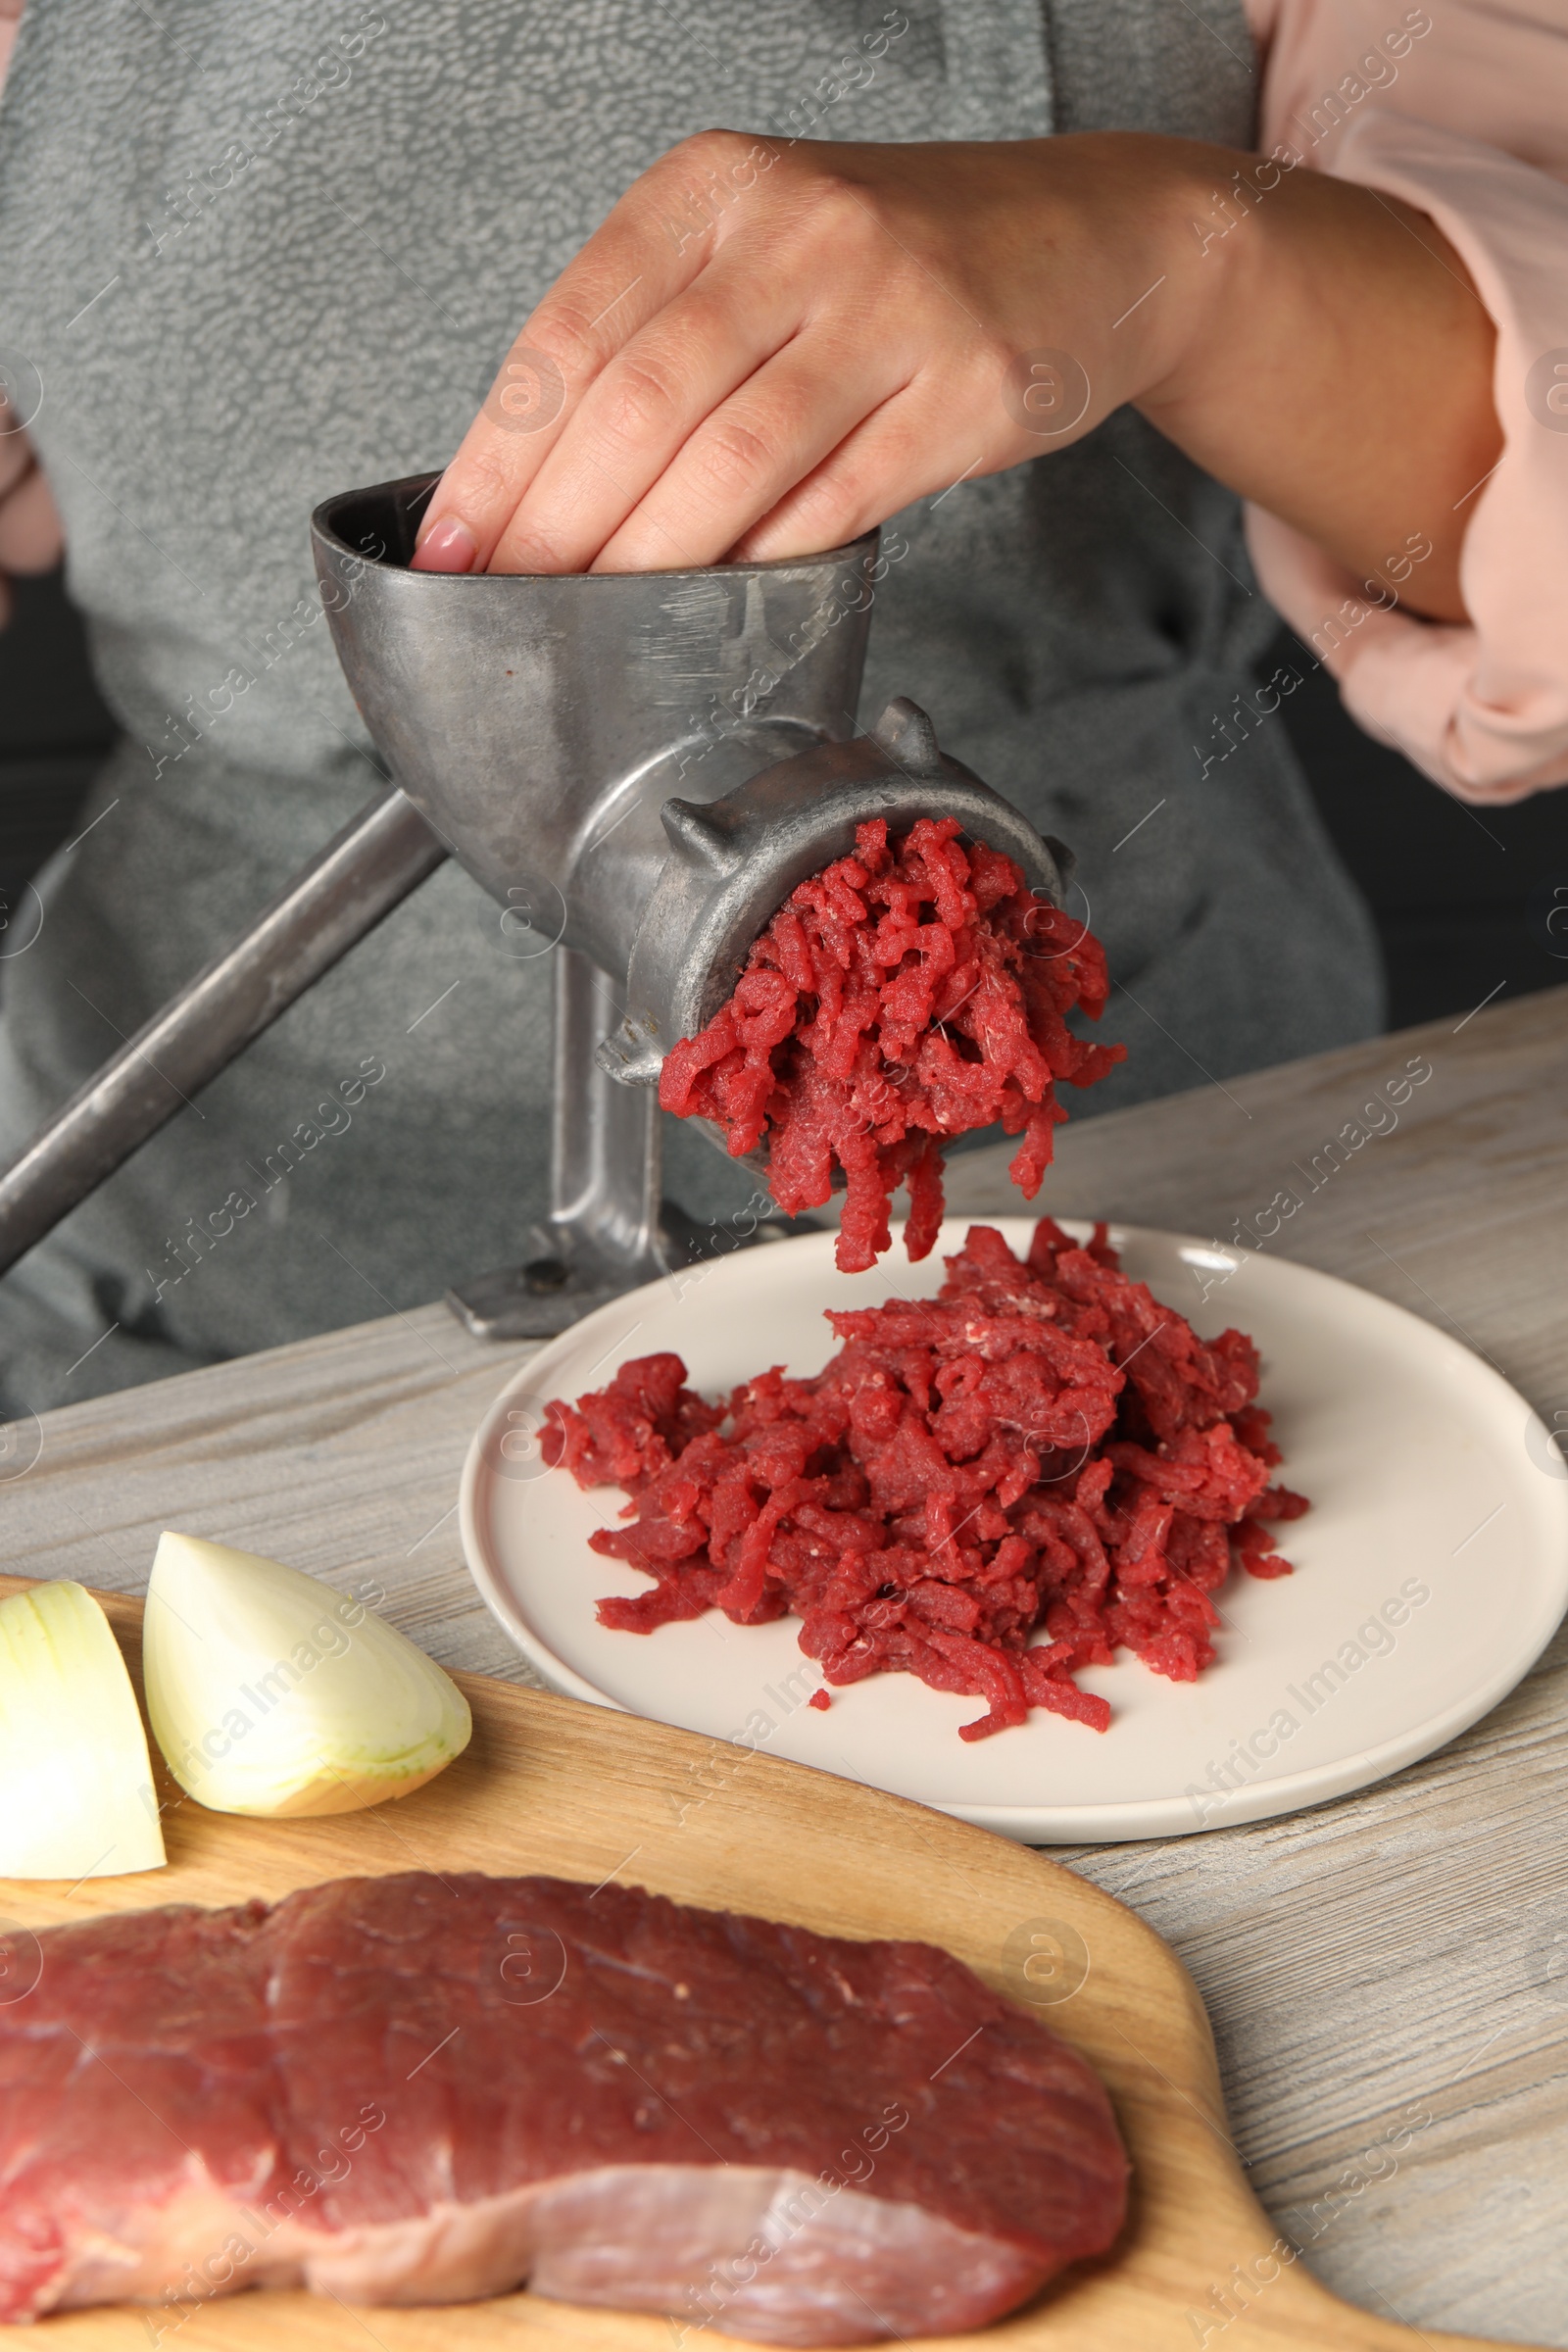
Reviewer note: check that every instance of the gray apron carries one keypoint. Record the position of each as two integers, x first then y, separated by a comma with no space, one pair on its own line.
260,255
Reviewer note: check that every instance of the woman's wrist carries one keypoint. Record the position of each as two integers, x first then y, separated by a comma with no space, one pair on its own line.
1121,217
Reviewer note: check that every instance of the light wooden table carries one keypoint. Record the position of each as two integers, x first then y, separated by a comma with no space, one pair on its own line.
1406,1950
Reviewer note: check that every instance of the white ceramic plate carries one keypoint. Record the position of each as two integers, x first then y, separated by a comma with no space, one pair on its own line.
1430,1572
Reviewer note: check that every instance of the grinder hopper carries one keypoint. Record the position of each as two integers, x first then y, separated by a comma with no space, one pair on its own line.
638,767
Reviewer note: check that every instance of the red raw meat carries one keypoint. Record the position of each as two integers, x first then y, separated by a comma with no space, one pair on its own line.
902,996
423,2089
1041,1450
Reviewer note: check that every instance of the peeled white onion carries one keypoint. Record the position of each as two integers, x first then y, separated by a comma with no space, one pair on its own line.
270,1693
76,1797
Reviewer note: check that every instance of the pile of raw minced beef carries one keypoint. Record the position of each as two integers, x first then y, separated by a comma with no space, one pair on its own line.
991,1490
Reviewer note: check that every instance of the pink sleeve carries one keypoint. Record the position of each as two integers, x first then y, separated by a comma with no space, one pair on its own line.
1483,709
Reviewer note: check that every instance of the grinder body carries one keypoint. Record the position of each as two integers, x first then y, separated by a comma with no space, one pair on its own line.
638,767
641,764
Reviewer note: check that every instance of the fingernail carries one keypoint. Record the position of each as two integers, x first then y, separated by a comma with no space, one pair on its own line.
447,545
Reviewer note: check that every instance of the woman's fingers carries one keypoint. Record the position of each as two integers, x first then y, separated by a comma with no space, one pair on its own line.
631,268
30,537
635,416
774,431
16,449
903,451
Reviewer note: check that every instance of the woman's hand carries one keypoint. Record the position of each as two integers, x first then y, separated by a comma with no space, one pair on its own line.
31,539
768,348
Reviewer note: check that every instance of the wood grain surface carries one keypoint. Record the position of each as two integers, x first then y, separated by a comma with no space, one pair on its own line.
1405,1948
554,1785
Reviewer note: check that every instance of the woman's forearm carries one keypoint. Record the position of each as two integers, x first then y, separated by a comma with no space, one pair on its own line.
1335,366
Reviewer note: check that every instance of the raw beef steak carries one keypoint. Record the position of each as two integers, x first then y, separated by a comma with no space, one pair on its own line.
419,2090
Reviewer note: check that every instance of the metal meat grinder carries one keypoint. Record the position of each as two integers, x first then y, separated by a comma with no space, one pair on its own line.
639,768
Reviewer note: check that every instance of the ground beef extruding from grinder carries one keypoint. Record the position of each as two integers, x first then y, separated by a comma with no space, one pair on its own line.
899,996
988,1490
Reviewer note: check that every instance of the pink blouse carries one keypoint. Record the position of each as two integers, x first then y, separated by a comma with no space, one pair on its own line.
1462,111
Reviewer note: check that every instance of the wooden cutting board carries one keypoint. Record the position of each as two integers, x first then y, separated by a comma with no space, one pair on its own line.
554,1785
